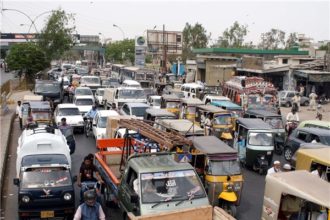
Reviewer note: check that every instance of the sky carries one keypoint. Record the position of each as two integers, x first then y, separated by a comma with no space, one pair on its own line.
96,17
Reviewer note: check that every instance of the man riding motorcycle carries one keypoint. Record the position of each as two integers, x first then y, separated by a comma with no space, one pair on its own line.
88,118
292,120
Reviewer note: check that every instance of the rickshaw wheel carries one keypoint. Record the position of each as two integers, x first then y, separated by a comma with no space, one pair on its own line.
229,208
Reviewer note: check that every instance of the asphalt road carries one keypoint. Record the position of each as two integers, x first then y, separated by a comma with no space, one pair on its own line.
250,207
4,77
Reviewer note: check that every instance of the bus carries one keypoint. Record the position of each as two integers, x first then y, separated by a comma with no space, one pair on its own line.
116,70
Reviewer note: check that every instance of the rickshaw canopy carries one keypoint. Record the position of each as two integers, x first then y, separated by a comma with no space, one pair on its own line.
214,147
32,98
159,113
228,105
42,105
191,101
253,124
317,155
212,109
183,126
171,98
301,184
262,113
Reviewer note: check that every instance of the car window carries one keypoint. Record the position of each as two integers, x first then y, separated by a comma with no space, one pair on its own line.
290,94
126,109
302,136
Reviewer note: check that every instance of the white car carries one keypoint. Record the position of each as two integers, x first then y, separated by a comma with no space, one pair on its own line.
99,96
134,109
72,115
84,103
83,91
154,101
100,123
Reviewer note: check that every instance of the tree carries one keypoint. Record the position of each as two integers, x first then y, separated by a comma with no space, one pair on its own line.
121,51
57,36
234,36
291,41
28,58
272,40
193,37
325,47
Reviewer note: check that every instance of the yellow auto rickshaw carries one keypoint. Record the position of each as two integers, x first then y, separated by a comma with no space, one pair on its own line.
188,108
222,125
40,111
295,195
171,103
220,171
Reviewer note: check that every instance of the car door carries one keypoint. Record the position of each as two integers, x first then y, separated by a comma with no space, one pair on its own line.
298,138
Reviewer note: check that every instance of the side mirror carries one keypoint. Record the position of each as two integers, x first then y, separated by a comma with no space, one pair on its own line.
134,198
16,181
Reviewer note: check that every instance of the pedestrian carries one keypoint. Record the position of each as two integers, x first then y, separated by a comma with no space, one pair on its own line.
301,90
19,113
276,167
312,101
90,209
296,100
207,125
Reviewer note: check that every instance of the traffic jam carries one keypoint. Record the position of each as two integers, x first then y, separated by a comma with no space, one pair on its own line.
166,148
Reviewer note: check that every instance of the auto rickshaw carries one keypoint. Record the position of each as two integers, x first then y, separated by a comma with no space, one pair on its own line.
188,108
40,110
222,125
275,121
309,158
154,114
306,195
219,167
171,103
254,141
182,126
235,110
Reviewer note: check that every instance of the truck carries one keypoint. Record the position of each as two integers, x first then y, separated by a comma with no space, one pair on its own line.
44,180
114,98
147,183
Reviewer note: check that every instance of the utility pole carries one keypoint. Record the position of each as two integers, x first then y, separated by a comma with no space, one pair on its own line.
164,52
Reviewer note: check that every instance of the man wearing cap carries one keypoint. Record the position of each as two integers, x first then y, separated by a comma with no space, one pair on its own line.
286,167
276,167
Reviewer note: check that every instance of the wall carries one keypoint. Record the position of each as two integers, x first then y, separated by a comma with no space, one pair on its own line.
216,70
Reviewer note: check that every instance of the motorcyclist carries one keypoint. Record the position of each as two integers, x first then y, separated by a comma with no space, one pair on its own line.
90,209
292,119
91,114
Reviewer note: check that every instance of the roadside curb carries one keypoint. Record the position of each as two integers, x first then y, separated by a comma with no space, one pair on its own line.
6,140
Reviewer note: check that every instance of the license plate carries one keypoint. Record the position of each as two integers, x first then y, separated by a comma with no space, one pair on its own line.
269,152
47,214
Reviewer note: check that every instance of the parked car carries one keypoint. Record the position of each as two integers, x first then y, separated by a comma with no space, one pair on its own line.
72,115
100,123
285,98
137,109
99,96
305,135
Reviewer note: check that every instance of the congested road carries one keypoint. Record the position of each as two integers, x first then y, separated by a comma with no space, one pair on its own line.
251,202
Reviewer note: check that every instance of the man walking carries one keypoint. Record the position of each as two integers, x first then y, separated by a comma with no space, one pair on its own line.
19,112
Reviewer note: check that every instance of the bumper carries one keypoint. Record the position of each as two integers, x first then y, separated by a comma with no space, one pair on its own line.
47,213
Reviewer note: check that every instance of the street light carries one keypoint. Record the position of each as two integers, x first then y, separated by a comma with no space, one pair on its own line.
120,30
10,9
37,18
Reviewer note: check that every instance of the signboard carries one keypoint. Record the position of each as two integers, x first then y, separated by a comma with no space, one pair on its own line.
158,40
140,51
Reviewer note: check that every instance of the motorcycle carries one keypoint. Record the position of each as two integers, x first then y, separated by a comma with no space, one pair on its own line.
290,126
90,185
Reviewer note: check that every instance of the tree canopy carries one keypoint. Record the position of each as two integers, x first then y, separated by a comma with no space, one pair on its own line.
193,37
272,40
121,51
234,36
57,35
27,57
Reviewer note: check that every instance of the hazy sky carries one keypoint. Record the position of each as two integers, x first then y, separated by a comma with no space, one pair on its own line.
134,17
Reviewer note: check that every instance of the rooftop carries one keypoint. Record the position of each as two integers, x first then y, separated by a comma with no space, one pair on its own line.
248,51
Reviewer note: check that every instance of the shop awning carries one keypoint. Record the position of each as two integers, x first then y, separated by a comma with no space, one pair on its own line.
313,75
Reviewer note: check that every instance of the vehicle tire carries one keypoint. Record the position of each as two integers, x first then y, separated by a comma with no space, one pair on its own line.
288,104
306,103
228,207
288,153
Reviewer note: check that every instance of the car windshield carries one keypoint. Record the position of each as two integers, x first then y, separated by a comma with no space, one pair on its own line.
174,185
224,168
40,115
275,123
172,104
260,139
45,178
222,119
139,76
47,88
102,123
83,92
131,94
82,71
92,80
84,102
68,111
139,111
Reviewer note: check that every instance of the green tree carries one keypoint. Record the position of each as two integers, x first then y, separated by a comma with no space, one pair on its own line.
291,41
57,35
233,36
121,51
325,47
272,40
28,58
193,37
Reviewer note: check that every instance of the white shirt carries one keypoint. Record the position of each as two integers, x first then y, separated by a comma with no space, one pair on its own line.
292,117
272,170
77,216
19,111
207,122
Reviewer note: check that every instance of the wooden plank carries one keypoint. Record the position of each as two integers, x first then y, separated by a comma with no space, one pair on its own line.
203,212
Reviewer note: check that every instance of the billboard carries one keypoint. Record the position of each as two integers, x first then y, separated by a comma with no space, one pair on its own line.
158,40
140,51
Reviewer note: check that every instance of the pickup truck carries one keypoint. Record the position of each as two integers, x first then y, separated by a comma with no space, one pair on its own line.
114,98
147,183
45,184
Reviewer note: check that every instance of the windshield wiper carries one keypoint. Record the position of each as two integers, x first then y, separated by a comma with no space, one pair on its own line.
190,195
168,199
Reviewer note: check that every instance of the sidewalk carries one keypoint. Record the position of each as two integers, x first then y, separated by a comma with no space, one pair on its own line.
5,129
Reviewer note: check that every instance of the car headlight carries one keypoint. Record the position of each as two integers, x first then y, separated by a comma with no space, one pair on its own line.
230,187
26,199
67,196
237,186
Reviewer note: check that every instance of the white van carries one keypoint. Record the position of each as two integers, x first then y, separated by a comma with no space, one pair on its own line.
131,83
190,90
